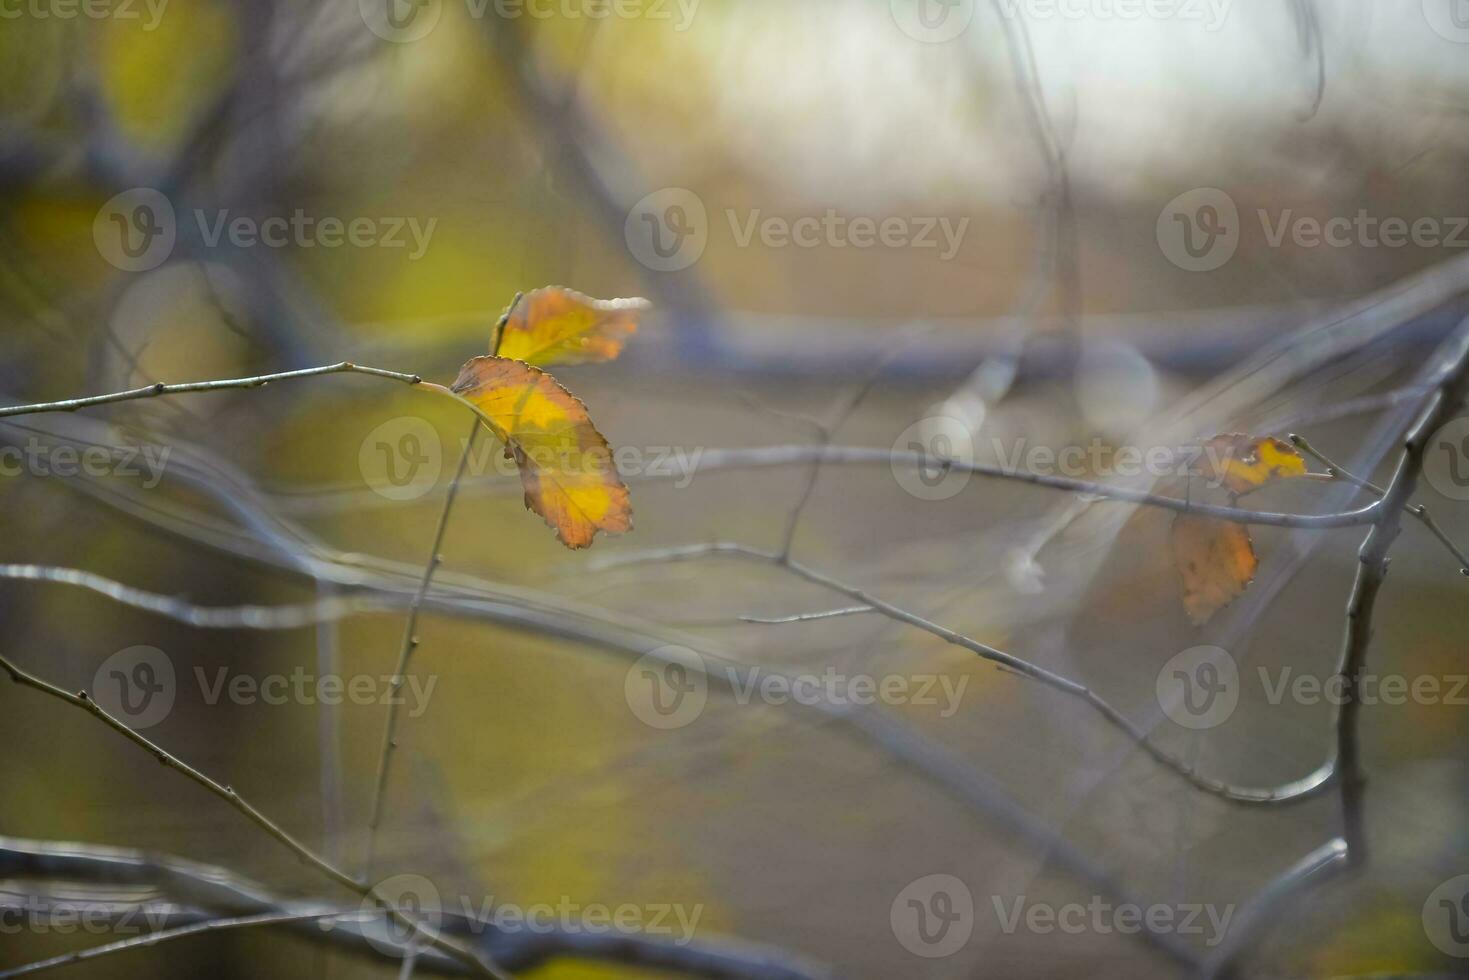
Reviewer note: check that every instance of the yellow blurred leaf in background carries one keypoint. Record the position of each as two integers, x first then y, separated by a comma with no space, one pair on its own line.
1216,561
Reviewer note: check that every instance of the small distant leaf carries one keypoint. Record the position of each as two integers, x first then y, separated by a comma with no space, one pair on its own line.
565,464
1244,463
1216,563
556,325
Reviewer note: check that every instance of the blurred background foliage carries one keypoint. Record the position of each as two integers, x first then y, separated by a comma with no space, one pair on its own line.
527,142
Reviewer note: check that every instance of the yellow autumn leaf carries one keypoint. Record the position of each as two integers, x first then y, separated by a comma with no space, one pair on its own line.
556,325
565,464
1244,463
1215,560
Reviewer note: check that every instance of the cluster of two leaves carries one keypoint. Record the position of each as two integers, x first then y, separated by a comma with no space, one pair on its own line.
1215,558
566,466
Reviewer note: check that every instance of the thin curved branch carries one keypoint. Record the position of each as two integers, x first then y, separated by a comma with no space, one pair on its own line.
769,456
165,935
254,617
1292,792
183,893
1418,511
83,701
159,388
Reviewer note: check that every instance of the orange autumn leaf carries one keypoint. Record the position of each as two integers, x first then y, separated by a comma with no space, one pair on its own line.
556,325
1216,563
1244,463
565,464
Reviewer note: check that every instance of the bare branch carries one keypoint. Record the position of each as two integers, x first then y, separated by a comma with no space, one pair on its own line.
158,389
1418,511
808,617
84,701
1292,792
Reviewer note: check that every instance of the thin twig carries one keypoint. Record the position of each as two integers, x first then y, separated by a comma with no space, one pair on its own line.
410,642
1418,511
164,935
159,388
84,701
168,891
285,617
410,626
1372,570
1292,792
808,617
